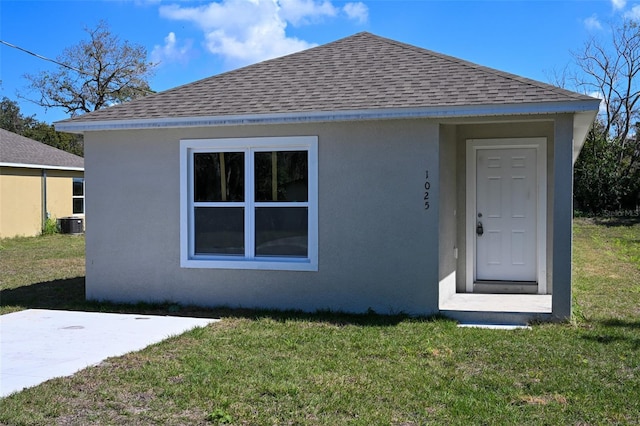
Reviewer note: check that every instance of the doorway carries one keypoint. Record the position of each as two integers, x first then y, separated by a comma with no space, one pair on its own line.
506,215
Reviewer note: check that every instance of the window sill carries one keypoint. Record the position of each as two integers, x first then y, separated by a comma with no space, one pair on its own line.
282,264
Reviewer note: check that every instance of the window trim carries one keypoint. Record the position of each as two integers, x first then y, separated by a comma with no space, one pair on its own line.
188,259
74,197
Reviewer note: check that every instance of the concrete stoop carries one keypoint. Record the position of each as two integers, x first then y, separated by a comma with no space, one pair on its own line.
511,309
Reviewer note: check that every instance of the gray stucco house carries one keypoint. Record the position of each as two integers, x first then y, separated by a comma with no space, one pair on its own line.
361,174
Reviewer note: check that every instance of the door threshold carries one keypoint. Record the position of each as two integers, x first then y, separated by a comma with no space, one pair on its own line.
505,287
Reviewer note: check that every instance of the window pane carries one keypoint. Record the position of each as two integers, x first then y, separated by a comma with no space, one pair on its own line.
282,231
281,176
78,206
78,187
218,176
219,230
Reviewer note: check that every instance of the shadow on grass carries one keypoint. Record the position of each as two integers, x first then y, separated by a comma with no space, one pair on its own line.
615,221
58,294
69,294
620,331
620,323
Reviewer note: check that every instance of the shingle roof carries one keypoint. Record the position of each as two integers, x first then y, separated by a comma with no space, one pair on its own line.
360,72
16,149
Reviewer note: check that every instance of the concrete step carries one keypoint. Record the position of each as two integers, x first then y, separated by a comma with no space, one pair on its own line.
497,318
514,309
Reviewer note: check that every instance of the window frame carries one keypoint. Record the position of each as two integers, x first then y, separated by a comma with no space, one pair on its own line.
77,197
188,258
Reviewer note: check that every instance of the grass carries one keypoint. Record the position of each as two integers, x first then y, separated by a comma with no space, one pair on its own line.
607,270
277,368
43,271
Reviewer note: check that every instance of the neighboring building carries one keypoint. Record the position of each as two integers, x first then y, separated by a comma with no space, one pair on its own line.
36,181
361,174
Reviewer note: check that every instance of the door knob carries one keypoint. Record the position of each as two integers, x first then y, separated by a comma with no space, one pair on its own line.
479,229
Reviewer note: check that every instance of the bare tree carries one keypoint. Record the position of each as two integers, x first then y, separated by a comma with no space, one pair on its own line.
95,73
611,69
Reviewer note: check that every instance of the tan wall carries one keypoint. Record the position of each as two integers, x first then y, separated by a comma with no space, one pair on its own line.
60,193
378,246
20,202
21,199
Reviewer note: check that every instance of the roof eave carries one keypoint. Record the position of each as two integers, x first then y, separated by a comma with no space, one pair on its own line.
41,167
582,122
573,106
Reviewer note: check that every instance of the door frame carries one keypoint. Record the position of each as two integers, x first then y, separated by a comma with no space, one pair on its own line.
473,146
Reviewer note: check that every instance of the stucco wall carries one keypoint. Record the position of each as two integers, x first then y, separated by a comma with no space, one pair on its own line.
448,212
21,199
378,245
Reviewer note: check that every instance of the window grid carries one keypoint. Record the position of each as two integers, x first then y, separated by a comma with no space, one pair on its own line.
77,197
250,260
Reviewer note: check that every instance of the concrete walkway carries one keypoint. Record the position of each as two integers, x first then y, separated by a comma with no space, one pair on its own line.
37,345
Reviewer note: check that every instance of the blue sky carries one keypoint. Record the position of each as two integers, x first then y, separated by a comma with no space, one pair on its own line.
195,39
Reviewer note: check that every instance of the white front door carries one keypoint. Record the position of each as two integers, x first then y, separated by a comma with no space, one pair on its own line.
506,215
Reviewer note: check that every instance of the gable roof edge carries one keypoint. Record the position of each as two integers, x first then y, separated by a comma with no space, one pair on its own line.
537,108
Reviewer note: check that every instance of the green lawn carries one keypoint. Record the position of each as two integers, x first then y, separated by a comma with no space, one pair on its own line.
41,272
275,368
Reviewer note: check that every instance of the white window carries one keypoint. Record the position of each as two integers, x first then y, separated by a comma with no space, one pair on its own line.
78,196
249,203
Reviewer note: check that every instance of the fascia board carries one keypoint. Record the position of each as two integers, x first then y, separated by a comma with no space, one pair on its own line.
328,116
41,166
582,122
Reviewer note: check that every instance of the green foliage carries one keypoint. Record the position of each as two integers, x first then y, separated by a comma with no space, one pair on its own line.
50,226
606,176
47,134
598,185
13,120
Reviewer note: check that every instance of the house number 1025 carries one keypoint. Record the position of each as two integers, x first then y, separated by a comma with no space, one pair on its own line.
427,187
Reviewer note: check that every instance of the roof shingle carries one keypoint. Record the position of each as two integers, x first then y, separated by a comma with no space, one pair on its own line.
360,72
16,149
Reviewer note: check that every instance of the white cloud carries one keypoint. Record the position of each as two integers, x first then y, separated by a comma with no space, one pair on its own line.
357,11
171,51
592,23
247,31
240,30
633,13
300,12
618,4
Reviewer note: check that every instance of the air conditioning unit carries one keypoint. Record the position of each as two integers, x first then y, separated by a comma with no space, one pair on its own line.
71,225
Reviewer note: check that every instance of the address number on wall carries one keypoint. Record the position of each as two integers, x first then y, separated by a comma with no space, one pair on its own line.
427,187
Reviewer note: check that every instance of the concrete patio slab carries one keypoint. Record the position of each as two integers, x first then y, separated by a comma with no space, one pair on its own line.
37,345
